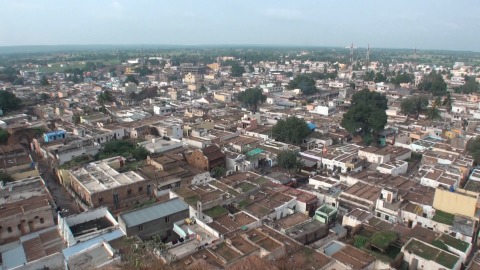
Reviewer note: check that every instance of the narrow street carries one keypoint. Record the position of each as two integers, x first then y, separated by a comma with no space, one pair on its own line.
62,198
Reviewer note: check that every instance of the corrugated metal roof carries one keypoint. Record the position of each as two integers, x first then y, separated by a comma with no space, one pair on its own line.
152,212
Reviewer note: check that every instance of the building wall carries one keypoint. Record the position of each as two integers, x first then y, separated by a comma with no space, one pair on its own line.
106,197
373,157
156,227
455,202
25,223
198,160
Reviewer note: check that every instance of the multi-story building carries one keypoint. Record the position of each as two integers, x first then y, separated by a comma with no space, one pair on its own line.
100,184
26,207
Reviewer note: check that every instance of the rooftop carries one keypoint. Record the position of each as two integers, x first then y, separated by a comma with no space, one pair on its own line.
153,212
431,253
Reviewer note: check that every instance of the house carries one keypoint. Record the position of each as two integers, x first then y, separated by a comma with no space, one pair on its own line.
419,254
27,206
207,158
101,184
157,219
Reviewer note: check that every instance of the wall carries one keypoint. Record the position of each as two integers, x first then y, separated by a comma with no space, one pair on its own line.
208,228
29,221
155,227
53,261
455,202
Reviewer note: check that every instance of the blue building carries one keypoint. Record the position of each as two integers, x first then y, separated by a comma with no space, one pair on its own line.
54,135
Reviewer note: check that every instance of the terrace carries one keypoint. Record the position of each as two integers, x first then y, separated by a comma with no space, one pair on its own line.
431,253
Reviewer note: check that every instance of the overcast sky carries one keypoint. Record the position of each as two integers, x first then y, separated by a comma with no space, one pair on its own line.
426,24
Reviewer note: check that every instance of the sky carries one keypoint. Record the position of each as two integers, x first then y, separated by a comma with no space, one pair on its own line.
425,24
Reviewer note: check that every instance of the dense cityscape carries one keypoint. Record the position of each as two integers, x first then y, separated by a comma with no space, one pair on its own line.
239,135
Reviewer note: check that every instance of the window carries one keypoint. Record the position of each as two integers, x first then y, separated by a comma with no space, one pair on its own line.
167,219
42,220
140,228
140,189
9,229
100,200
386,217
379,215
19,227
129,192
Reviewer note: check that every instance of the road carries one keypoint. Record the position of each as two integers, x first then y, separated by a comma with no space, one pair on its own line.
62,198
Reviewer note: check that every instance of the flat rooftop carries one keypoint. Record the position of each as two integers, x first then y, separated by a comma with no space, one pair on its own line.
91,226
99,176
353,257
431,253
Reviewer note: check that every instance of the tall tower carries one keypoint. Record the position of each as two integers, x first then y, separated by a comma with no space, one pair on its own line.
351,59
368,56
351,54
415,58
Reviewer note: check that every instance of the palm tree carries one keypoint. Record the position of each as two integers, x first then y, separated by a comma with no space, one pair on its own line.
433,113
447,102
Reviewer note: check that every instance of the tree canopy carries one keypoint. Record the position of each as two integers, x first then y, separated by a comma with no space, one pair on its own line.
131,78
379,77
4,135
473,146
303,82
8,101
433,83
291,130
105,97
237,70
369,75
44,96
289,160
44,81
403,78
366,115
251,98
414,105
122,148
470,86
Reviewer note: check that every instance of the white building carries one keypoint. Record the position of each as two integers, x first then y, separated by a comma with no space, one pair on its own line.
162,110
325,109
160,145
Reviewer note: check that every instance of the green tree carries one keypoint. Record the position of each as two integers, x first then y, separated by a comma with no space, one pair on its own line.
291,130
369,76
5,178
414,105
473,147
366,115
202,89
113,72
403,78
379,77
131,78
433,113
237,70
447,102
219,172
44,81
141,255
289,160
8,101
251,98
4,135
44,97
433,83
303,82
76,119
105,97
470,86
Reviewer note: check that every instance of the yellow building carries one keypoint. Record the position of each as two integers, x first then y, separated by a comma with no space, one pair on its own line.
460,201
214,66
